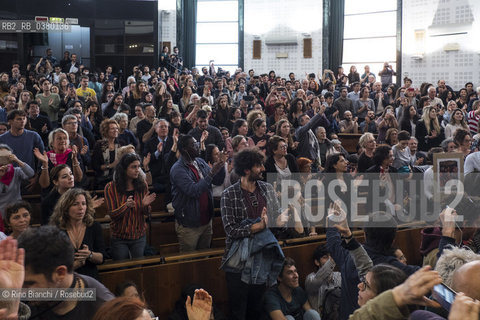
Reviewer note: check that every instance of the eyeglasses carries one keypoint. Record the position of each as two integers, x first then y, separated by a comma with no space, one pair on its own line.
365,285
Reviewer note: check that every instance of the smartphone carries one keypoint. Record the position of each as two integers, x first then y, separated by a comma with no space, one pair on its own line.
280,89
402,94
444,295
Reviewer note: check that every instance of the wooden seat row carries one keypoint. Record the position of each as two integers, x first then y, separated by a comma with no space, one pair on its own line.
162,278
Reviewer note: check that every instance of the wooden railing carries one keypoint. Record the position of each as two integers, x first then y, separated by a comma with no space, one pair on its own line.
162,278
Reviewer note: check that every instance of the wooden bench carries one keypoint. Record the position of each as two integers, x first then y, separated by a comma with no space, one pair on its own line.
163,232
162,279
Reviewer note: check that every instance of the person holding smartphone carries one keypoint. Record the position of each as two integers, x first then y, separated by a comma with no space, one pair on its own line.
74,213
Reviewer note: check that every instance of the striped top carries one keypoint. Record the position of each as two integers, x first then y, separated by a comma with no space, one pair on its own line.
473,120
127,223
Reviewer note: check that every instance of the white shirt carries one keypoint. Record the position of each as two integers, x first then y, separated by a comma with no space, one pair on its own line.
428,183
472,162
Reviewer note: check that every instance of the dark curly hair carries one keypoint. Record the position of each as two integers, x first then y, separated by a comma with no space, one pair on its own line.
120,175
381,153
46,248
331,161
246,160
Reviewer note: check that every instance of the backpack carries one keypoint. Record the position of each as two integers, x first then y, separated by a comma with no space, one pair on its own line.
330,305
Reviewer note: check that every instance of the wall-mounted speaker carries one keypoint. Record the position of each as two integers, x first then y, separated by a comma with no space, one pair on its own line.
307,47
257,49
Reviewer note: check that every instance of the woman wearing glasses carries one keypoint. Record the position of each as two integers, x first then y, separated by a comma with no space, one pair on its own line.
352,256
279,161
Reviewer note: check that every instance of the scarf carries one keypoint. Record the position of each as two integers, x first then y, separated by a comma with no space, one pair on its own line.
8,176
58,158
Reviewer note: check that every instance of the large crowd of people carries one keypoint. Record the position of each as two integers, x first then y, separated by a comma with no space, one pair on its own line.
209,139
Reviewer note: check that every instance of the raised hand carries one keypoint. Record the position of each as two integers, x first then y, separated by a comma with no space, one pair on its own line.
13,158
264,216
217,166
130,202
84,150
416,287
447,217
146,161
261,143
97,202
338,217
204,136
41,157
12,273
160,147
74,151
464,308
148,199
201,308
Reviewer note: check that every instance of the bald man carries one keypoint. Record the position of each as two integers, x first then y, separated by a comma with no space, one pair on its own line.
466,279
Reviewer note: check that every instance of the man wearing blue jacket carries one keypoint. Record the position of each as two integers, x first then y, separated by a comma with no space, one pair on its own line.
379,235
192,198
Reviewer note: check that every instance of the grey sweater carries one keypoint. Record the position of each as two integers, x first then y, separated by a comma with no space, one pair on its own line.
12,191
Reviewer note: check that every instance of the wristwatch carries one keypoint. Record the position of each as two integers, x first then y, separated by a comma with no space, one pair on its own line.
90,255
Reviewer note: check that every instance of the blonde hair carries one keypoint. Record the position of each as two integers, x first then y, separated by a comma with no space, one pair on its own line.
363,139
124,150
105,126
60,216
52,134
427,121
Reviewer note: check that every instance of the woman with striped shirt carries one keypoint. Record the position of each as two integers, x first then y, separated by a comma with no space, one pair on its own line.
128,202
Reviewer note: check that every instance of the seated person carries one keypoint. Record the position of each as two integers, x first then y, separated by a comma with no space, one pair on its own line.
369,125
348,124
287,300
324,280
11,178
47,266
401,154
17,218
129,289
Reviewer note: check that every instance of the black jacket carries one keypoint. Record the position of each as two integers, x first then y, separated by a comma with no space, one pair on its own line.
159,166
291,162
424,143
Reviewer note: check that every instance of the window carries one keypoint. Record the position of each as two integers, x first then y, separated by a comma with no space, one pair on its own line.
370,34
217,34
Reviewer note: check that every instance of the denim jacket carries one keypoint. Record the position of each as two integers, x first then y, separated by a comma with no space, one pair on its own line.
259,258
